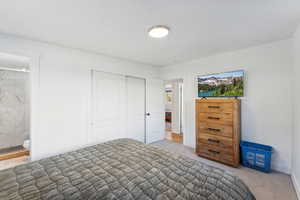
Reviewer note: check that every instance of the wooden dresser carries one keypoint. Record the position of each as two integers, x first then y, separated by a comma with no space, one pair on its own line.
218,130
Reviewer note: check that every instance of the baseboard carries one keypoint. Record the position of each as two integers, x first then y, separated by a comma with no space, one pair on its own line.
296,185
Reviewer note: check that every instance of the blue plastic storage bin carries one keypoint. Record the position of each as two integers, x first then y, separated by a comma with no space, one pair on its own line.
256,156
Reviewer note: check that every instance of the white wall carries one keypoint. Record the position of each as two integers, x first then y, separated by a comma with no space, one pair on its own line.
267,105
64,86
296,93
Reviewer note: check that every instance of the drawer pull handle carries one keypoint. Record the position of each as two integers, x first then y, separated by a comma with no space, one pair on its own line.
212,140
214,118
214,129
212,151
217,107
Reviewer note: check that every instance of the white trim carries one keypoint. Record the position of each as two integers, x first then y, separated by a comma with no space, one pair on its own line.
296,185
34,67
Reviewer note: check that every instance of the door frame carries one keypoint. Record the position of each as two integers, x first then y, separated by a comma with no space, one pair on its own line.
181,102
34,86
91,116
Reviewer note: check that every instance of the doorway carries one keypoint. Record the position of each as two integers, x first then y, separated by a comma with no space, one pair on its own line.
174,110
14,110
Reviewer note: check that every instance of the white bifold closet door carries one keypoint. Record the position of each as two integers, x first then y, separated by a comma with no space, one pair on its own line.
108,107
155,111
118,107
136,108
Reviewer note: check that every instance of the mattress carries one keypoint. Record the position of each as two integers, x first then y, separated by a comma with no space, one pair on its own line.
120,169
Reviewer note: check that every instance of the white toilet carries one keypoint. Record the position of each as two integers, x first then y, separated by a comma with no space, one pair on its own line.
26,144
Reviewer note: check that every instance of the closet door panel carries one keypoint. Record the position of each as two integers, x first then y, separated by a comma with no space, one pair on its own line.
155,108
108,108
135,108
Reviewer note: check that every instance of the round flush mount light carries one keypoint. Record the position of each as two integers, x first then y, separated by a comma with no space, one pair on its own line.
159,31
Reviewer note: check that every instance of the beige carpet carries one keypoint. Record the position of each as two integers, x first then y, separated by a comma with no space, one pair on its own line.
273,186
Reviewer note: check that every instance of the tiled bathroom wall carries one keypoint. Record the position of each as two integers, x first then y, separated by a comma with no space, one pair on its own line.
14,108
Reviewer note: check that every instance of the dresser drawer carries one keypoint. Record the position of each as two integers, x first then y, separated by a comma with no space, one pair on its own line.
216,118
214,153
216,107
226,144
215,129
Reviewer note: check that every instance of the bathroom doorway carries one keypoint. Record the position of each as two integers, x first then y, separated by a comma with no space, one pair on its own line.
14,110
174,110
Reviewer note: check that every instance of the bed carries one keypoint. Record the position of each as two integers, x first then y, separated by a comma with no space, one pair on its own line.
120,169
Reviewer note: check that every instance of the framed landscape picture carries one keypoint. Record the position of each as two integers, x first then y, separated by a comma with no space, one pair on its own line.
169,96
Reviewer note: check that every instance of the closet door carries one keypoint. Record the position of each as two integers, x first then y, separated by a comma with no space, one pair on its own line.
108,107
136,108
155,110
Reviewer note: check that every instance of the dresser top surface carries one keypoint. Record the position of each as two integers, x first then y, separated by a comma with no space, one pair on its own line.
218,100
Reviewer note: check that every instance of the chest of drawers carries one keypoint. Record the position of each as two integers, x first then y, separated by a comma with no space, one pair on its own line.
218,130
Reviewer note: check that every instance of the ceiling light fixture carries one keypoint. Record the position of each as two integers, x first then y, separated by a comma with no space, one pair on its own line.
159,31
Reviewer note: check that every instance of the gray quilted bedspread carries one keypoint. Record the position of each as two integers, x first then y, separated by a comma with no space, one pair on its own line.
120,169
